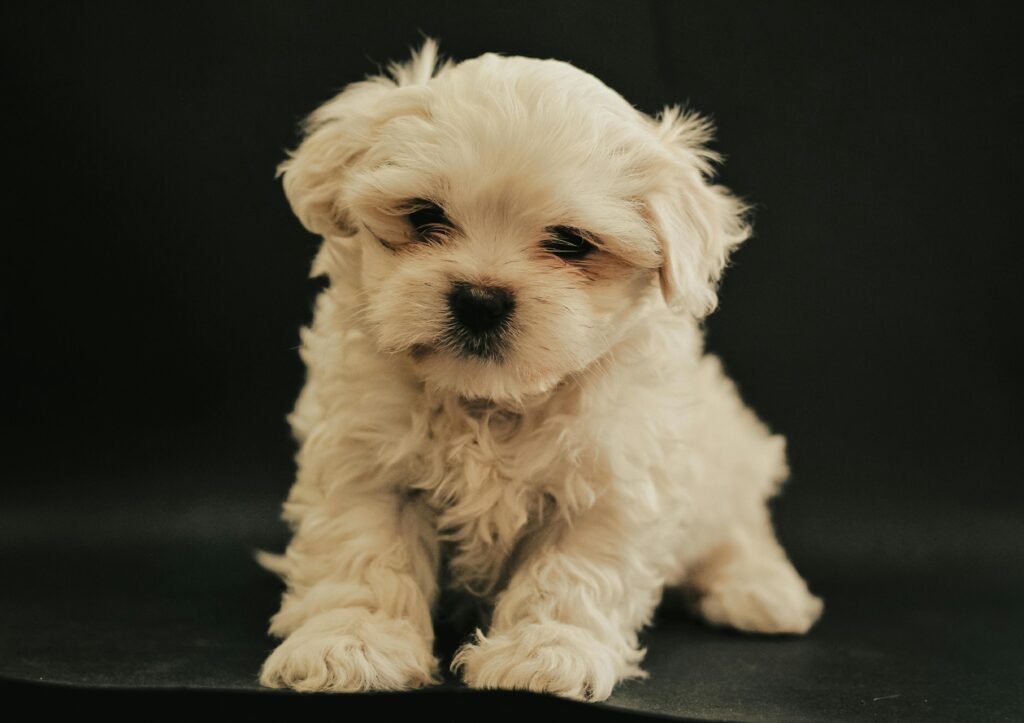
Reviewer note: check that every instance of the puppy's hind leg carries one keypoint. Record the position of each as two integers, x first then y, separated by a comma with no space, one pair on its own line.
749,584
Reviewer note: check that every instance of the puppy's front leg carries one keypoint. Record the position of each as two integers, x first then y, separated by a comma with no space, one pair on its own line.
567,623
361,582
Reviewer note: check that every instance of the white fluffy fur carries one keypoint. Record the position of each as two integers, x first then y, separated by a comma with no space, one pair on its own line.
604,457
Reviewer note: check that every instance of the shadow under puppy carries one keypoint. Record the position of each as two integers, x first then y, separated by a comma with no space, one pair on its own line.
508,362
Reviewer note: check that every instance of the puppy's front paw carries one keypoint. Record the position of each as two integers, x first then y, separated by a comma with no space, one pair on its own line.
549,657
769,604
351,650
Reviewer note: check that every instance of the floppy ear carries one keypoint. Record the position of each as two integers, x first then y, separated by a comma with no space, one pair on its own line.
698,223
338,133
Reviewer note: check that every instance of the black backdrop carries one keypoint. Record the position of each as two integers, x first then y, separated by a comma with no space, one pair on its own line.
154,279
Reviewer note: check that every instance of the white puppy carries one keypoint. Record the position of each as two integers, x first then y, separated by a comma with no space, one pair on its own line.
507,388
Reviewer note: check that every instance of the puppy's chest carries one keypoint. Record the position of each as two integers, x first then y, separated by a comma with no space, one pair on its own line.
485,496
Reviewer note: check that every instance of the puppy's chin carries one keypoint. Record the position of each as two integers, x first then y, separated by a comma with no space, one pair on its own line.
474,378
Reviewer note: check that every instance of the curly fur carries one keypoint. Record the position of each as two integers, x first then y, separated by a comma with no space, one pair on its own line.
601,458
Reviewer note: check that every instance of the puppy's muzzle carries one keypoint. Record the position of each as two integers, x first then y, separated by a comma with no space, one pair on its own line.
479,315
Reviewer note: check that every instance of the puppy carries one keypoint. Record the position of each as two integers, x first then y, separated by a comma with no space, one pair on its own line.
507,387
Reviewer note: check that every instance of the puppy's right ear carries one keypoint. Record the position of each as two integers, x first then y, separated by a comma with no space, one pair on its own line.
338,134
335,136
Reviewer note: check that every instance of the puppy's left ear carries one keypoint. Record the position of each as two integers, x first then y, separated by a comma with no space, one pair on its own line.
698,223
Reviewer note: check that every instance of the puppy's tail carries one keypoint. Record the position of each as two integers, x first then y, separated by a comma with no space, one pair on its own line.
277,564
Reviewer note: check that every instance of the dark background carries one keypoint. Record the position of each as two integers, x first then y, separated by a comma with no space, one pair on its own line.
154,279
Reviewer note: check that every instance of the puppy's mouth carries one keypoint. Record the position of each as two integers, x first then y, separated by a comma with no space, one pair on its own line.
488,345
456,342
482,369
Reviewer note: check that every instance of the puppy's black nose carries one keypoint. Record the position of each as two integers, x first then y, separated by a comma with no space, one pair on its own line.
479,308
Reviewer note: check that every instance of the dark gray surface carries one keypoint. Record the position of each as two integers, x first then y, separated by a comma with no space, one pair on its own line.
924,616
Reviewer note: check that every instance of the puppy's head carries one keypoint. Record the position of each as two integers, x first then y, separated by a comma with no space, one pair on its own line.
515,217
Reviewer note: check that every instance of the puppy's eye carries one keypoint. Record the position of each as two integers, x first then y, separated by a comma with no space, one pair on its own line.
428,219
568,243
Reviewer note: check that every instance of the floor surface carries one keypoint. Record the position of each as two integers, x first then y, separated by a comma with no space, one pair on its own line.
924,612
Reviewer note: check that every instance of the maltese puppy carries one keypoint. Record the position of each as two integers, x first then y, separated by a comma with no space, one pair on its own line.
507,392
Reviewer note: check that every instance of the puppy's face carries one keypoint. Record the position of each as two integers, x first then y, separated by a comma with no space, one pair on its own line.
493,294
514,217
